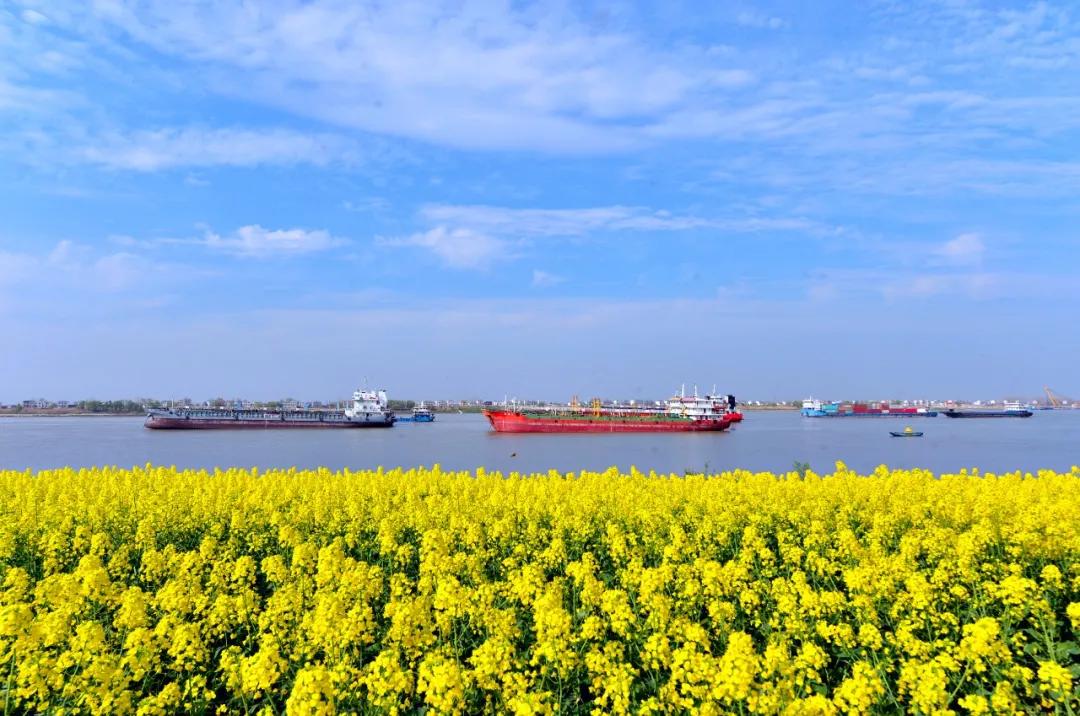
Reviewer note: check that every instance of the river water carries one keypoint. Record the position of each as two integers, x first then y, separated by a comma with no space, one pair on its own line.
771,441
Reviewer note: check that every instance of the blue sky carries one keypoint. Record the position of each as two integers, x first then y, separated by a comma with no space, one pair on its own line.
483,199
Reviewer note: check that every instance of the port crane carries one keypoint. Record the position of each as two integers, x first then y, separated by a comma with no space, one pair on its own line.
1057,400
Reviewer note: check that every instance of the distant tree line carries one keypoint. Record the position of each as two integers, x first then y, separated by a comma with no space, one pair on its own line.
117,406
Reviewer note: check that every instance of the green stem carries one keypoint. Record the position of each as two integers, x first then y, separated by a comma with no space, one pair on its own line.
884,677
963,678
7,686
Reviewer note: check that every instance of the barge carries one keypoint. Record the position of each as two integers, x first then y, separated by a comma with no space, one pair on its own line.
1011,410
369,409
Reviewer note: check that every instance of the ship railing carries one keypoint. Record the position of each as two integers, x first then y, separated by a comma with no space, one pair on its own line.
588,409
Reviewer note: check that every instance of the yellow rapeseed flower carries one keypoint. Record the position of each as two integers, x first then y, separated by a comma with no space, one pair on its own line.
157,590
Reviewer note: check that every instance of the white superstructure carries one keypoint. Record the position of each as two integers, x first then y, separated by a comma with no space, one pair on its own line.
709,407
369,406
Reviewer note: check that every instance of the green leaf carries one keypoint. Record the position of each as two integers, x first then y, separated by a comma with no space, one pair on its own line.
1066,649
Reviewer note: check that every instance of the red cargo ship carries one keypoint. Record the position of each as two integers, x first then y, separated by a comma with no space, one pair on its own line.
681,414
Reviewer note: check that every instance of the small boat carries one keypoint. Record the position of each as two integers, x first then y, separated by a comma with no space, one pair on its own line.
906,433
422,414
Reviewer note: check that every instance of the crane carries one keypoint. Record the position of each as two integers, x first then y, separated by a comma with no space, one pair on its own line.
1056,400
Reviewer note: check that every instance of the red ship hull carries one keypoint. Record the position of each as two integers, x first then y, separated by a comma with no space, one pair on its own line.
507,421
157,423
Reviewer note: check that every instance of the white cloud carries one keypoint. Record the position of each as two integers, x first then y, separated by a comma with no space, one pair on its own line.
474,236
553,79
1039,37
468,75
944,98
252,241
14,267
457,248
975,285
541,279
369,205
121,271
33,17
72,266
898,283
30,99
965,249
195,147
759,20
535,222
728,78
114,272
255,241
66,252
578,222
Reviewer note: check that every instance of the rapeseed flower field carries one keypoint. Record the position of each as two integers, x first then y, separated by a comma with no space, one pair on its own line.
156,590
